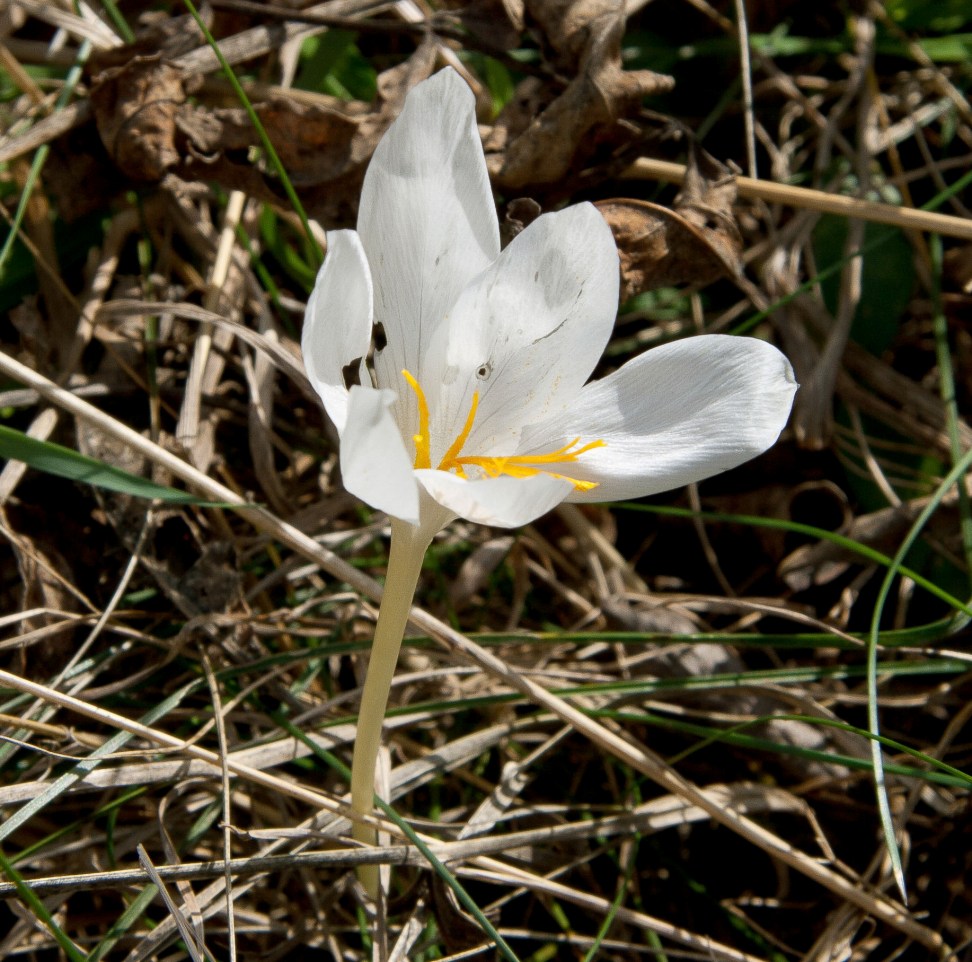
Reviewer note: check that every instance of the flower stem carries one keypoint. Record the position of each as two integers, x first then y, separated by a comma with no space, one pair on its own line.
408,546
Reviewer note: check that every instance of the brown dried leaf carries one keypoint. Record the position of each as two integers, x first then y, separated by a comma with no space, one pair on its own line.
314,142
496,24
149,131
822,562
520,213
571,26
324,147
159,34
477,569
213,584
135,106
545,131
706,201
659,247
79,174
44,574
696,242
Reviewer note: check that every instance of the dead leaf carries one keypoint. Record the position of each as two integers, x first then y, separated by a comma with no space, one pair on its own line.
706,201
547,130
213,584
44,574
822,562
314,143
135,106
158,34
657,619
79,173
150,130
696,242
477,569
324,147
496,24
520,213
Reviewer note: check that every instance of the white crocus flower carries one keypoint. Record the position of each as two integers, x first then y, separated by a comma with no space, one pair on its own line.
477,403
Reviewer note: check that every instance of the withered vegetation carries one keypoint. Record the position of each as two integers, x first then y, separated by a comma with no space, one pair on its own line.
628,732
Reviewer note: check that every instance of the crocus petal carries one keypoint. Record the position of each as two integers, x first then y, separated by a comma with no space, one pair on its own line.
426,218
337,325
374,463
676,414
527,333
503,502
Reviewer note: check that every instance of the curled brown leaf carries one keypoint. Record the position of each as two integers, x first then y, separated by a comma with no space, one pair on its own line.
696,241
548,129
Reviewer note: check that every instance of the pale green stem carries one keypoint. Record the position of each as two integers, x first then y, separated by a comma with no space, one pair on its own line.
408,546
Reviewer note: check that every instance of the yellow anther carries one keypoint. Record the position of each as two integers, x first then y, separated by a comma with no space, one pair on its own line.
423,444
513,466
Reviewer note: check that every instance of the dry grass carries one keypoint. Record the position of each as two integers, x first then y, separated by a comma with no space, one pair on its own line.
626,732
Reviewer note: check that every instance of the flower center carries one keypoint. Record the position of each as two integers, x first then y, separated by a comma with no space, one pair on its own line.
514,465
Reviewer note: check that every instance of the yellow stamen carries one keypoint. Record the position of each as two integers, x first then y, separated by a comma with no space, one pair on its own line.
449,458
423,443
514,465
526,465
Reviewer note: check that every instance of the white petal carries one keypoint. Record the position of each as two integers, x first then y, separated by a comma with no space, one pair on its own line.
426,219
374,463
504,502
676,414
527,333
337,324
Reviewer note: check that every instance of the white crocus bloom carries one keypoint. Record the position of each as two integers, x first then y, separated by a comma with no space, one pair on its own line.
478,404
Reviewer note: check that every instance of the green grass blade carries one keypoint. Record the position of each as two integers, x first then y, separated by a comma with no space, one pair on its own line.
464,898
946,380
879,240
39,910
113,744
873,721
121,24
129,917
272,155
863,550
936,773
40,158
68,463
593,953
